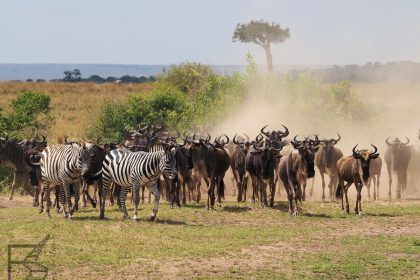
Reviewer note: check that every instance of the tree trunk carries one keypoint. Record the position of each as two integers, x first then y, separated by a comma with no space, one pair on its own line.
269,58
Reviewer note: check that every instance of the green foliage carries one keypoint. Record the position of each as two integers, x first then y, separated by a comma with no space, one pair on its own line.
260,32
308,95
190,78
251,68
187,95
29,116
164,104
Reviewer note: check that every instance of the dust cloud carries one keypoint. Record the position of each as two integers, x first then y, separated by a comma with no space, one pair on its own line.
397,115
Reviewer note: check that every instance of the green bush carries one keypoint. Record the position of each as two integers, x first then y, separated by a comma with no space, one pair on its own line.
185,96
30,115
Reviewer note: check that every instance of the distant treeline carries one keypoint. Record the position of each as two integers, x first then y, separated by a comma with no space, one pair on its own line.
370,72
75,76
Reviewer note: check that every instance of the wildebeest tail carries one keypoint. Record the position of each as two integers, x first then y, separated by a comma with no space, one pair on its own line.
338,192
221,189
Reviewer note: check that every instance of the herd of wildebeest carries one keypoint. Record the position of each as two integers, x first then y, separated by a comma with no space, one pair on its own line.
173,165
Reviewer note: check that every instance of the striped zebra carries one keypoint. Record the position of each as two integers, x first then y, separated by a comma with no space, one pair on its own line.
63,165
134,169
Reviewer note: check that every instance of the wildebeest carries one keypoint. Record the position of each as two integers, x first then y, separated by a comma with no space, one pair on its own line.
326,160
211,164
397,158
375,168
237,165
354,169
295,168
12,155
261,162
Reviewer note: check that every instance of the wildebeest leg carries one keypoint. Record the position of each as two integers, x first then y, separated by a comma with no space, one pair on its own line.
295,198
86,193
377,186
13,184
220,189
103,190
311,191
111,195
388,167
399,180
331,183
136,198
272,185
254,189
368,187
236,178
404,182
210,193
373,178
304,191
154,189
142,193
244,186
85,190
346,188
323,185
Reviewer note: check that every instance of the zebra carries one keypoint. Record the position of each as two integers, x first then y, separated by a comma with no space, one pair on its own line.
64,165
133,169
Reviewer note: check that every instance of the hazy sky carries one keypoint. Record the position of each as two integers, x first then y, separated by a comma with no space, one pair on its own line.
174,31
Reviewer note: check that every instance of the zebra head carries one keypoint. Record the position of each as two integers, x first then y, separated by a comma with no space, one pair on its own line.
168,162
3,141
90,161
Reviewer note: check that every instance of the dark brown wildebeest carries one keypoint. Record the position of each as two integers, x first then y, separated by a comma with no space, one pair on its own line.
12,155
211,164
237,165
354,169
375,168
326,160
295,169
260,165
397,158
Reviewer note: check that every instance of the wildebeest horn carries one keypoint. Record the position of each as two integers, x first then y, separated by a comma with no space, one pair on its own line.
265,133
387,141
259,138
227,139
286,132
65,139
274,149
247,137
236,141
125,145
208,138
336,140
376,149
295,144
255,147
408,141
355,152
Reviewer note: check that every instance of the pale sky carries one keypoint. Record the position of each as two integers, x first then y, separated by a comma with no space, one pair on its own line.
174,31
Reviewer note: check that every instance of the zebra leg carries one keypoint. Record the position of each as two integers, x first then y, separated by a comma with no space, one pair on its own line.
76,188
59,198
48,199
136,198
123,198
154,189
142,194
67,199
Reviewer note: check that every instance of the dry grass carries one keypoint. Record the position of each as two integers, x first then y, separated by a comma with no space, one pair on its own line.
72,104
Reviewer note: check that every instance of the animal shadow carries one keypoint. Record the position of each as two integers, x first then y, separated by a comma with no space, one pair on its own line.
236,209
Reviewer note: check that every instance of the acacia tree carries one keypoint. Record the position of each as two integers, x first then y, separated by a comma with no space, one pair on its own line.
261,33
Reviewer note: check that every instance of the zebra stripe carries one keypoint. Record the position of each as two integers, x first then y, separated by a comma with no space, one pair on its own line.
134,169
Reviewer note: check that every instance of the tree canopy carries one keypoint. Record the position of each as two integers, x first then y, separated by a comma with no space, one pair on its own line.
261,33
